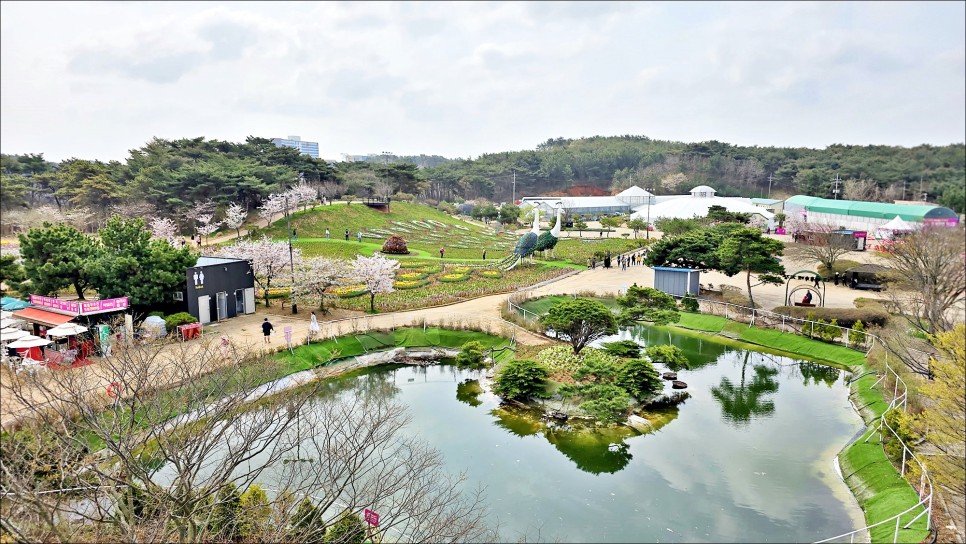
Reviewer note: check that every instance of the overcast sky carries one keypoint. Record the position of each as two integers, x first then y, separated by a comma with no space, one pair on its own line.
94,80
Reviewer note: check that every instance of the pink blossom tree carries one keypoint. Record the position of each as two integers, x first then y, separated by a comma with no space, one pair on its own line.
235,215
165,229
269,258
315,276
376,273
206,226
272,206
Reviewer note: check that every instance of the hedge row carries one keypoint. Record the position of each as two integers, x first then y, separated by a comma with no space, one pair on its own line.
846,316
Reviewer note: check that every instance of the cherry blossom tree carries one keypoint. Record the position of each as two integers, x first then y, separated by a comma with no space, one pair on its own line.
235,215
200,209
269,258
315,276
272,206
206,226
376,273
165,229
302,194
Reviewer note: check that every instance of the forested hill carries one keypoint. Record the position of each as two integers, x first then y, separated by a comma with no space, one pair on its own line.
167,176
615,163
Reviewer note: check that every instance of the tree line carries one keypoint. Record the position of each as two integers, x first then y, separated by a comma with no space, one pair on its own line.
169,175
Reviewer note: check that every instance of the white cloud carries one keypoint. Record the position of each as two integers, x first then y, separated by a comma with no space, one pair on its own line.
465,78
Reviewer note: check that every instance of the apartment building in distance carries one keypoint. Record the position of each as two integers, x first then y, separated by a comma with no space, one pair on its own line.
306,148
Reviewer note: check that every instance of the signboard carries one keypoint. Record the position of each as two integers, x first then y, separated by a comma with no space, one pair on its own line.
372,518
81,307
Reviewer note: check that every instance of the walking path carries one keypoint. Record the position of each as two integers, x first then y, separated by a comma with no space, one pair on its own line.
245,332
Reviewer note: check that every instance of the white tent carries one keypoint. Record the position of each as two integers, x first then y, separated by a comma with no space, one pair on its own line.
890,229
688,207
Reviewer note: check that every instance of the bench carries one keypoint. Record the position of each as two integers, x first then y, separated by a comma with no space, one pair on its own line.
805,304
869,286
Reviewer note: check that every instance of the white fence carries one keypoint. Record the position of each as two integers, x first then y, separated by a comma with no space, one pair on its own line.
764,318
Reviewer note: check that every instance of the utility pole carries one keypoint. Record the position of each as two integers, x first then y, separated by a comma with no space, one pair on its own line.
386,155
769,187
514,188
920,188
835,191
291,259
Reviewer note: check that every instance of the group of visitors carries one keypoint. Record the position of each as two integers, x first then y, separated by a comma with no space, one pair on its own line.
622,261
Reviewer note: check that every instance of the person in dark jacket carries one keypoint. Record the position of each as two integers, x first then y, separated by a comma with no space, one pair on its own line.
267,329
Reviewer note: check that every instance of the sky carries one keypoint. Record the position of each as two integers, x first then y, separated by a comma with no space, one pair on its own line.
94,80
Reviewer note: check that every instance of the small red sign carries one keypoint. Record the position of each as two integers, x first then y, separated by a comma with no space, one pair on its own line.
372,518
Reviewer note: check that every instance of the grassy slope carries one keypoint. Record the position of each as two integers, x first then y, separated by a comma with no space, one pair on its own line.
541,305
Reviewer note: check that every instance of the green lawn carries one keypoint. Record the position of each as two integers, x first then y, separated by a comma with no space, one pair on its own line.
542,305
329,351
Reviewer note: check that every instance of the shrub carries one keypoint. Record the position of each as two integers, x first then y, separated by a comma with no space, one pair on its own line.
831,331
520,379
670,356
857,334
226,513
471,355
846,317
623,348
598,366
348,529
180,318
307,521
639,378
395,245
559,359
690,304
156,314
255,511
870,303
607,403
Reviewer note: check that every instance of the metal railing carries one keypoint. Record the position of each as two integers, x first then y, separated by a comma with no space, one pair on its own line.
900,394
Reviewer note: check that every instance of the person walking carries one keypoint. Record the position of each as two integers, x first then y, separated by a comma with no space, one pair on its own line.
441,252
326,234
346,235
817,278
359,236
295,235
267,329
484,254
836,278
314,328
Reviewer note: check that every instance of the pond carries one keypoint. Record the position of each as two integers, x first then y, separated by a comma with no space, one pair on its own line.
748,457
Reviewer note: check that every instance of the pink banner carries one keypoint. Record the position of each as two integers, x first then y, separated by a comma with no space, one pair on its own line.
84,307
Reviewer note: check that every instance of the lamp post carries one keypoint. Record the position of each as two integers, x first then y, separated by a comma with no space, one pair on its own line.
291,258
386,155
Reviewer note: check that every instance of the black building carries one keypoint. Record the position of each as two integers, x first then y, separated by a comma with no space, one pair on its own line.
219,288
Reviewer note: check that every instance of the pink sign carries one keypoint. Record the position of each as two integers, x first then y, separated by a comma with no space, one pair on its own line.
83,307
372,518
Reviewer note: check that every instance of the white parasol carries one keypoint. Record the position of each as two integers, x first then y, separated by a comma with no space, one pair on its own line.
8,335
67,329
8,322
29,341
5,314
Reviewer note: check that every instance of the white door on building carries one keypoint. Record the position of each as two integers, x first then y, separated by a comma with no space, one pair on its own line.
250,300
221,305
204,309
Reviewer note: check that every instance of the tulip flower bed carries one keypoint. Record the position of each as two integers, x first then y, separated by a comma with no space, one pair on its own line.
409,284
435,291
412,276
350,291
453,278
492,274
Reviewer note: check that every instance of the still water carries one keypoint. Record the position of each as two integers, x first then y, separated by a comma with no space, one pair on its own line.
748,457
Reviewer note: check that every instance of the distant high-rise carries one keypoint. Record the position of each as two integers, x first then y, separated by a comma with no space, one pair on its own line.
306,148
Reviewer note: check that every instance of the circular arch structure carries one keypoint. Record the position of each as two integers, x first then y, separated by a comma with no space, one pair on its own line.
811,274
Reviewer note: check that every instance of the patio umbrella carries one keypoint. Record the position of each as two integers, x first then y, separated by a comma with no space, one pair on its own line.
67,329
8,335
29,341
5,314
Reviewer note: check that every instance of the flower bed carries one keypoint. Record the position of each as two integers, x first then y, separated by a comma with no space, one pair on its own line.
492,274
453,278
461,270
350,291
410,284
412,276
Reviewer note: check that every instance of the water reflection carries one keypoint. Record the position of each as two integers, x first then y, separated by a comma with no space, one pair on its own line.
597,450
468,392
818,373
747,399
